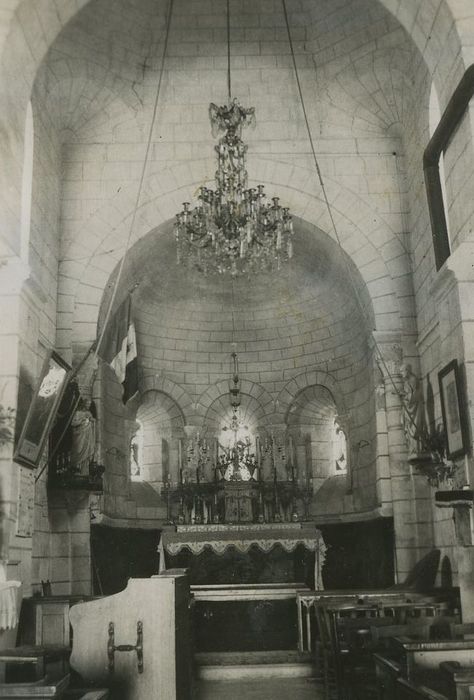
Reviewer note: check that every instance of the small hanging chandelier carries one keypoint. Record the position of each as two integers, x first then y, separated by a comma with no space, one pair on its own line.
234,384
233,229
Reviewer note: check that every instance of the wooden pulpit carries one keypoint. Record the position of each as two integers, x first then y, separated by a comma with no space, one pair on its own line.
137,642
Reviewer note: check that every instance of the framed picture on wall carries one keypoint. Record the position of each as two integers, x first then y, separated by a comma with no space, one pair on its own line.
452,407
42,411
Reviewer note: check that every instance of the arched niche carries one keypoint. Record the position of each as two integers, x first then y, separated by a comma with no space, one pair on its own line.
154,440
319,434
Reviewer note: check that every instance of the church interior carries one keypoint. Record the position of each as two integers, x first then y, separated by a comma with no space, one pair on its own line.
237,343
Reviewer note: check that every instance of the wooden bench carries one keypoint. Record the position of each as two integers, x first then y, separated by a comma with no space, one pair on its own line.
40,657
459,679
87,694
387,672
40,689
405,690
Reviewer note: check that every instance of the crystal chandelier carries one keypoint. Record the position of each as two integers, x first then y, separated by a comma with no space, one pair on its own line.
233,229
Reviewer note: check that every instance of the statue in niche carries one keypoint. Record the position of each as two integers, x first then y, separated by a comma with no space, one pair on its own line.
340,448
83,438
413,414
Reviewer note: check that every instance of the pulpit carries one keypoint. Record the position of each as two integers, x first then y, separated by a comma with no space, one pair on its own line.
138,642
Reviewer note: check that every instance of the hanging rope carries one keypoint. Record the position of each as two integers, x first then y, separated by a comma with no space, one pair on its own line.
140,184
331,216
229,84
95,347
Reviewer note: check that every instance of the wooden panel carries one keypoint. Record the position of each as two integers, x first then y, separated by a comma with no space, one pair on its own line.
404,690
152,601
52,622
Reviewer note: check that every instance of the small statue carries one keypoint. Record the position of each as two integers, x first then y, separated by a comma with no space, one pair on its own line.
413,415
83,438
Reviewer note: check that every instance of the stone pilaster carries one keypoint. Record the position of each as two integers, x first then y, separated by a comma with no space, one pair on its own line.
392,444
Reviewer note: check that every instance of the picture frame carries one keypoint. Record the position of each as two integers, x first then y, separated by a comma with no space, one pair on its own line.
42,411
452,409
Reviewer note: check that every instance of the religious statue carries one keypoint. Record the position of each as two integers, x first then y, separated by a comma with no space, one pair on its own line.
83,438
413,416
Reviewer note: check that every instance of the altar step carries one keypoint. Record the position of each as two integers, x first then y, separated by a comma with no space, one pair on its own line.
232,665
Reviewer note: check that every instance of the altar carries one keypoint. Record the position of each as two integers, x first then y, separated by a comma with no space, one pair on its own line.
245,579
243,538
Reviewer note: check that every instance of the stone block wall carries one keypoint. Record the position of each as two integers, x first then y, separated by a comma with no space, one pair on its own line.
367,91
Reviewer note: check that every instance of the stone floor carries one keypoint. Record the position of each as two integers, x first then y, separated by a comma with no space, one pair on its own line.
261,689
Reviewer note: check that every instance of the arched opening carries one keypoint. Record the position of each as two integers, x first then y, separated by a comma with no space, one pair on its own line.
154,440
313,418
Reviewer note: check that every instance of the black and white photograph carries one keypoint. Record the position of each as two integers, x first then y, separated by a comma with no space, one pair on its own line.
236,349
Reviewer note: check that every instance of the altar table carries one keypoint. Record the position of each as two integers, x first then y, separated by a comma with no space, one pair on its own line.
246,617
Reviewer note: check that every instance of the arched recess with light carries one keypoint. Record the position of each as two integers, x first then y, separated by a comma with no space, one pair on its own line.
319,434
154,439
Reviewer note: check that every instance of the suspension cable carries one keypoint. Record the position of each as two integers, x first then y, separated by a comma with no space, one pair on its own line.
96,345
330,213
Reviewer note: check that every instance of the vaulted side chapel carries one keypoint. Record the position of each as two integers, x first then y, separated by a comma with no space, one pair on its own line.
237,347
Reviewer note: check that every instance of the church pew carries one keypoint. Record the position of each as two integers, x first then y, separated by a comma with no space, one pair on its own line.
459,679
399,602
404,690
387,672
41,689
41,659
425,656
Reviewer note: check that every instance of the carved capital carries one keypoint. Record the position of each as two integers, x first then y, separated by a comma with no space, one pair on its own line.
388,353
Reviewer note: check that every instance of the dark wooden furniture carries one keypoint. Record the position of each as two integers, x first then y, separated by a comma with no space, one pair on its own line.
405,690
51,658
421,659
348,635
246,617
45,620
87,694
395,602
387,672
40,689
459,679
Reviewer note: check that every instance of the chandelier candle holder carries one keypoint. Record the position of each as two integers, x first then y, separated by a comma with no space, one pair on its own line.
233,229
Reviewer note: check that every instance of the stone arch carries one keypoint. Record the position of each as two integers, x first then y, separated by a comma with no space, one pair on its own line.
430,30
220,414
174,391
169,404
162,422
305,380
363,240
440,30
313,418
255,391
73,95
